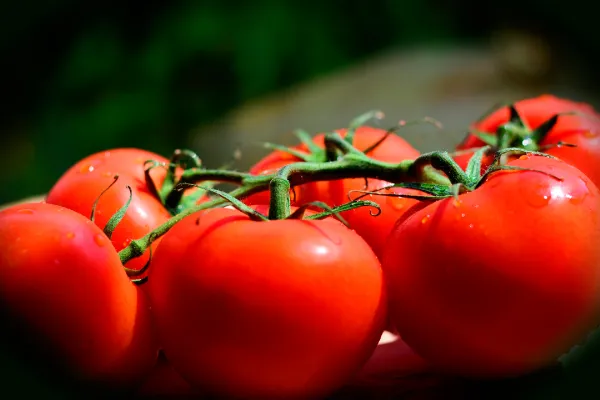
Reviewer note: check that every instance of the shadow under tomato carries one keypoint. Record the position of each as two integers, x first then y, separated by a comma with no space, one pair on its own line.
29,366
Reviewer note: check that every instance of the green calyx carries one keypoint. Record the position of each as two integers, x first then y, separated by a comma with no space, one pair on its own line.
462,181
173,199
331,151
515,133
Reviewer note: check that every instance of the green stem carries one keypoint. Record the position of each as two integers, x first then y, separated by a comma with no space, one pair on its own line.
350,166
197,175
443,162
279,205
335,140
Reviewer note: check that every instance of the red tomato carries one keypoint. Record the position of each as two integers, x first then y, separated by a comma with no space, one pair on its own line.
334,193
61,279
580,130
83,183
504,280
272,309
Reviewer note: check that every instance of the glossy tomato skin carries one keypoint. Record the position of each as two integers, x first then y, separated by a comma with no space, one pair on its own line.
277,309
63,283
375,226
503,281
581,130
334,193
83,183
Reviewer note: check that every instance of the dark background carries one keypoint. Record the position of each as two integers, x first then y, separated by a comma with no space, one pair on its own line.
80,77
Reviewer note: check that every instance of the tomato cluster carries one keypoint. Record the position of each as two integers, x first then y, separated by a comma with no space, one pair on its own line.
349,260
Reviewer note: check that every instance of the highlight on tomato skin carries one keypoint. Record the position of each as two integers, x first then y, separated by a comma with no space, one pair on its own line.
488,286
64,288
270,309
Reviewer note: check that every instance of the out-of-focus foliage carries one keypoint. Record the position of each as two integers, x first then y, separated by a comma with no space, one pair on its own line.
80,77
85,77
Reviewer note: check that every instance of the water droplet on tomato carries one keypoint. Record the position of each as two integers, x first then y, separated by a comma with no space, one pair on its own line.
590,134
100,239
70,235
85,168
471,226
126,242
425,219
460,216
25,211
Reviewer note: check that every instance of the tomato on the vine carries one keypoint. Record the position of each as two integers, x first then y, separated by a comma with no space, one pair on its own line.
581,129
504,279
82,184
63,284
271,309
374,230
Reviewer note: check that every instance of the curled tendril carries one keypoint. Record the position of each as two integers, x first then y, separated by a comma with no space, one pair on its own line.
181,155
151,164
137,272
496,168
366,192
95,205
376,213
335,211
428,197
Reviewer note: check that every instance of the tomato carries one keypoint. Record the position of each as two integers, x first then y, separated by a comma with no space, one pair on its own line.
503,280
83,183
334,193
270,309
582,130
63,283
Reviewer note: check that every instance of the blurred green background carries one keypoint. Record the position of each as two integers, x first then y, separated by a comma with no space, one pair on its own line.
81,77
